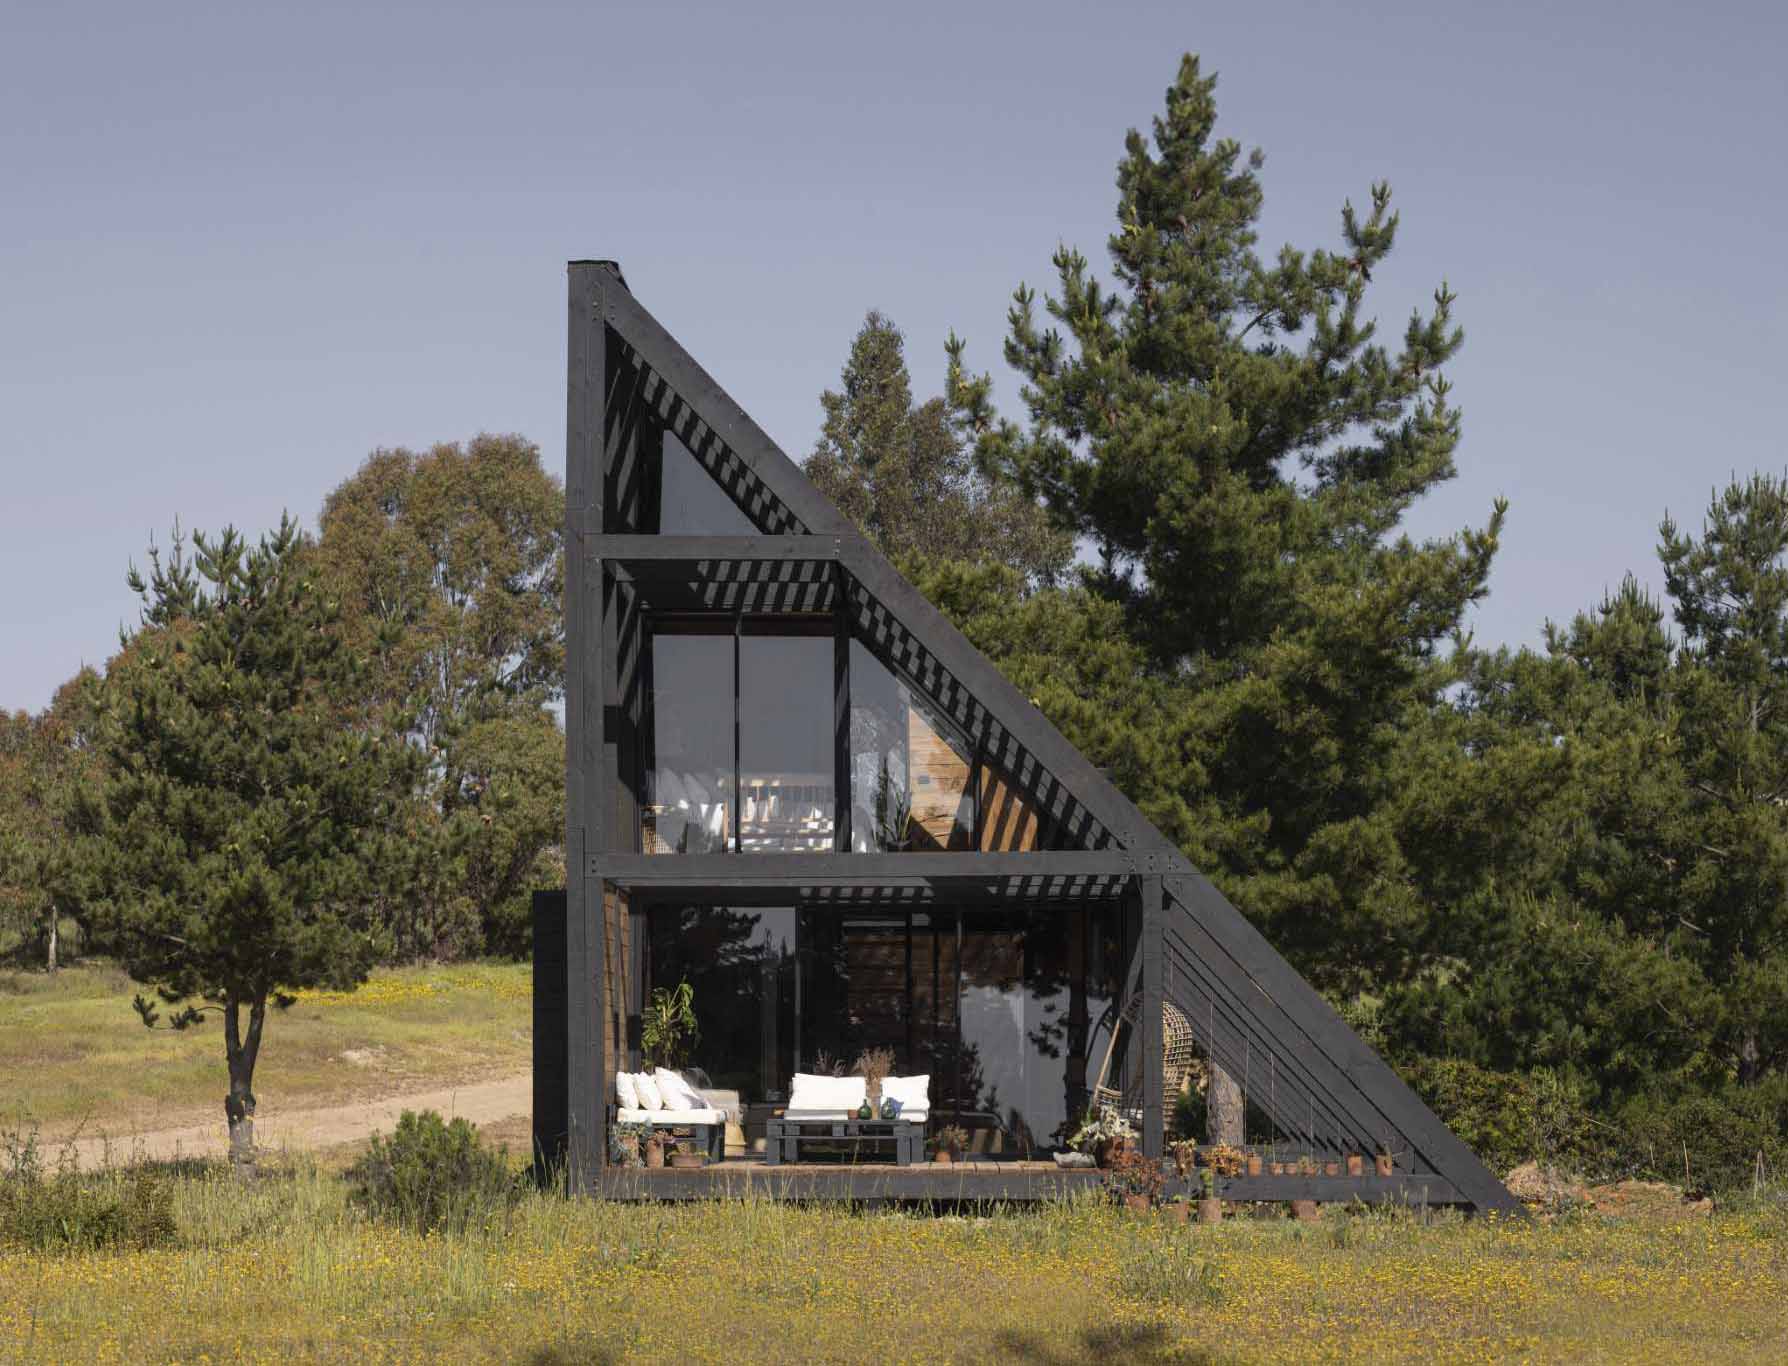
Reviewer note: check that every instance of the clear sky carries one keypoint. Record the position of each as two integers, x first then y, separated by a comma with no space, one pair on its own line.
243,245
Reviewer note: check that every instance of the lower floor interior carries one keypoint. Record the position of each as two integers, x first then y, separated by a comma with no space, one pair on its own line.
1014,1014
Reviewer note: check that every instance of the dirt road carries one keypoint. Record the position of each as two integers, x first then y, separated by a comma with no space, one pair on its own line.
482,1102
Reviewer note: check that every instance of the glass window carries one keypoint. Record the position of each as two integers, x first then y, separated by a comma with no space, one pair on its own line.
911,779
689,779
740,965
787,794
693,504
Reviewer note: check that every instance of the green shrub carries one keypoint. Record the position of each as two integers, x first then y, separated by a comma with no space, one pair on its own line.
69,1212
434,1175
1508,1118
1706,1141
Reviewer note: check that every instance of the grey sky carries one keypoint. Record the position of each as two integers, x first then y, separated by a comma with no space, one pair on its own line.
242,246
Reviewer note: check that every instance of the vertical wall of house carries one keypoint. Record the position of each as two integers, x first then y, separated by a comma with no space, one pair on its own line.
617,935
551,1039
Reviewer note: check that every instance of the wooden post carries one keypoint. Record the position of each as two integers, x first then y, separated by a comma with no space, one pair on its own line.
1153,1046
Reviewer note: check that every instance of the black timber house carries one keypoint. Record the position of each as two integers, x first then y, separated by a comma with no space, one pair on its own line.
793,783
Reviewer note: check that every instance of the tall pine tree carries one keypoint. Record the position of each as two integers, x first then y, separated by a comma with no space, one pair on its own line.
1232,439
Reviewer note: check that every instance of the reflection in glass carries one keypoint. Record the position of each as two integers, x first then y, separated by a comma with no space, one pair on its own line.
911,780
689,787
692,504
787,792
1002,1009
740,966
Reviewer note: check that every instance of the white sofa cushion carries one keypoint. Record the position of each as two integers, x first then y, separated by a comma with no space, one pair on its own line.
626,1095
911,1094
824,1097
702,1116
650,1097
677,1093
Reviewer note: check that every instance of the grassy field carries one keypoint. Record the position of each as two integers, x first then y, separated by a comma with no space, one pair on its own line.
73,1053
288,1270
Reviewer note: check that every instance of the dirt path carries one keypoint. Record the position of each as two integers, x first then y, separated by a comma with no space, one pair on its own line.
481,1102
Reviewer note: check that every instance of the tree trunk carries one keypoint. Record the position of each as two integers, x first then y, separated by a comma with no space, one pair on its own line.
1223,1109
1750,1069
239,1105
55,916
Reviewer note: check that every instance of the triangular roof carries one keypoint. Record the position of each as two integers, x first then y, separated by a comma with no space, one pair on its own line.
1253,1013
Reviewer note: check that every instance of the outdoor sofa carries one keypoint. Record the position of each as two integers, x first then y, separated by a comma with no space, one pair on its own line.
822,1112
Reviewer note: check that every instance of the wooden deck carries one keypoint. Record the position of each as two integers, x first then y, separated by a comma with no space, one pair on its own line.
982,1181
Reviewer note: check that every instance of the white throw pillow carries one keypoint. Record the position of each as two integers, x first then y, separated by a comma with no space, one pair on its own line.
626,1094
650,1098
908,1093
677,1092
826,1094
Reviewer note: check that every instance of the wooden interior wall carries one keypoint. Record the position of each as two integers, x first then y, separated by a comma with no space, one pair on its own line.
1008,822
938,784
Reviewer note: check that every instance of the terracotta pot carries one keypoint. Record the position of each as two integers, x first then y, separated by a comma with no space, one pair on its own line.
1176,1212
1331,1169
1277,1168
1137,1204
1383,1164
1254,1165
654,1151
1305,1211
942,1157
1210,1210
686,1161
1356,1165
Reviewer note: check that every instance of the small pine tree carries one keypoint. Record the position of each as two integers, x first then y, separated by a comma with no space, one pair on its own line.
230,855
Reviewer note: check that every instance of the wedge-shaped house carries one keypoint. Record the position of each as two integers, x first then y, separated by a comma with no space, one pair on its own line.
794,785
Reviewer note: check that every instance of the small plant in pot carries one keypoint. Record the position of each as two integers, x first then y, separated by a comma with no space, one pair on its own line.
652,1146
624,1143
1185,1157
1382,1161
687,1154
1356,1164
948,1143
1134,1180
1105,1134
1210,1208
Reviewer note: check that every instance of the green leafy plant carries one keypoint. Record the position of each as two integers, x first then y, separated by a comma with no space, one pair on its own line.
624,1140
668,1028
433,1175
952,1139
74,1213
1100,1126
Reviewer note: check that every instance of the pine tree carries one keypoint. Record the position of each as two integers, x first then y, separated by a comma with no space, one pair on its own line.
230,858
1238,446
904,474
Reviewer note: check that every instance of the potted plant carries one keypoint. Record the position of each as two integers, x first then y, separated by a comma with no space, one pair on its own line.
1176,1210
623,1143
1255,1166
668,1029
1382,1160
1210,1208
1356,1164
687,1155
1134,1180
1185,1156
1276,1168
1105,1134
652,1145
947,1146
1331,1168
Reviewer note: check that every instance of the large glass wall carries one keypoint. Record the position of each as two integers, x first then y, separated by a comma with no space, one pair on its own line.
912,779
788,799
689,774
740,965
762,785
1009,1012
